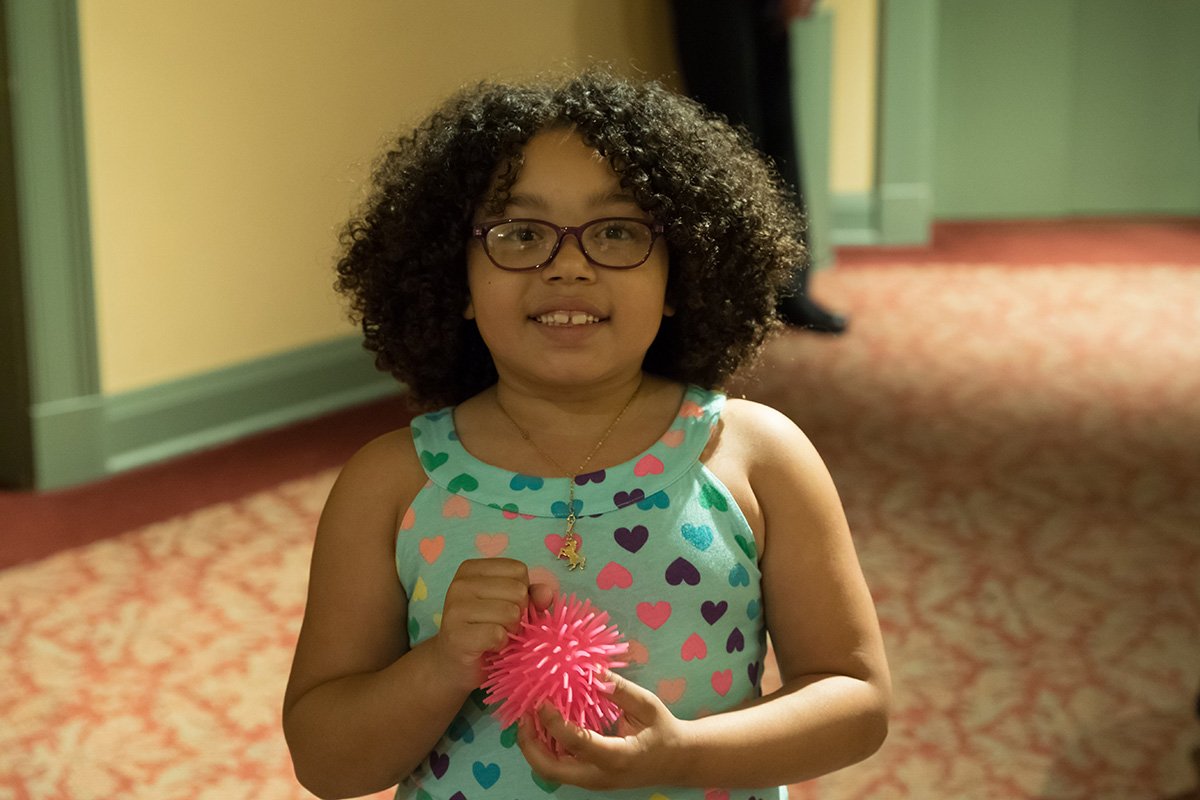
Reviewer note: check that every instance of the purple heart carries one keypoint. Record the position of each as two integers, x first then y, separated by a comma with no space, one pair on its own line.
631,539
713,611
587,477
735,641
752,671
623,499
682,571
439,763
458,796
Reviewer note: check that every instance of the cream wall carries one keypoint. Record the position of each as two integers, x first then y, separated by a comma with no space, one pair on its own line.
853,117
227,141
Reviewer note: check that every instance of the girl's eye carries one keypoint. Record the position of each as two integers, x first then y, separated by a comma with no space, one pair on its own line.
518,234
617,231
525,234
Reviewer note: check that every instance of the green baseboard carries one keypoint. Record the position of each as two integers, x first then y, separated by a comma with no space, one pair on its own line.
89,438
854,219
905,213
198,412
67,441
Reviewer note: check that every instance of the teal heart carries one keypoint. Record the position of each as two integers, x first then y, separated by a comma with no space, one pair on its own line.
747,546
436,415
423,795
431,461
511,508
414,630
416,433
462,483
461,728
699,536
738,576
753,609
508,736
486,774
452,436
711,497
559,508
549,787
477,697
530,482
657,500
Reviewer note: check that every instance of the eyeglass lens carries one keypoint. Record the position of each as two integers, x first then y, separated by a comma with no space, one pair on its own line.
522,244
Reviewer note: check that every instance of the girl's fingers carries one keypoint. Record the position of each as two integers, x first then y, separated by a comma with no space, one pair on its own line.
541,595
576,740
636,702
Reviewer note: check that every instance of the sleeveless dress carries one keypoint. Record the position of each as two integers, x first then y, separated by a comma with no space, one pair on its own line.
670,557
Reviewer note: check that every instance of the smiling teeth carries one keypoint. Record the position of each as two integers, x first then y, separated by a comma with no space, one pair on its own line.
567,318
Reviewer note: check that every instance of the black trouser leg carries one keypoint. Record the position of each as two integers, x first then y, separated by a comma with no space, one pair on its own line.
736,60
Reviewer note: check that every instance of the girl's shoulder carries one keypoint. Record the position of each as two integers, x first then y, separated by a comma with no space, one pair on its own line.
759,431
768,446
384,470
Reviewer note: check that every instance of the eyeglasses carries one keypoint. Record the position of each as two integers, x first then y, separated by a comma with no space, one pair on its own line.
525,245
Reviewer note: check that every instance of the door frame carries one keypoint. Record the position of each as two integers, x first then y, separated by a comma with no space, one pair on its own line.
65,406
908,57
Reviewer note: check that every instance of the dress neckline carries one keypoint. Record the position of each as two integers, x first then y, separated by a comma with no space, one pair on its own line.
637,481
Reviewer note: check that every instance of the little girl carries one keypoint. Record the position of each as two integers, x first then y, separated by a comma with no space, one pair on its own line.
571,269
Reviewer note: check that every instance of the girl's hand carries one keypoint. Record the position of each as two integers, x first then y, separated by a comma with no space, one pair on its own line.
484,602
645,750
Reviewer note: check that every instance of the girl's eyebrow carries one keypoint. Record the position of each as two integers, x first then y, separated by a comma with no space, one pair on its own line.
611,198
537,202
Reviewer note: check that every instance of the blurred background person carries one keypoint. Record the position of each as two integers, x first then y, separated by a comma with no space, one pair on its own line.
736,59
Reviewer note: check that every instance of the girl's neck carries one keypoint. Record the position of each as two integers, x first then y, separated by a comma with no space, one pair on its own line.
534,406
567,424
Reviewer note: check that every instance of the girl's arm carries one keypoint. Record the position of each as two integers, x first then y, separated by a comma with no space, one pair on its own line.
831,710
362,709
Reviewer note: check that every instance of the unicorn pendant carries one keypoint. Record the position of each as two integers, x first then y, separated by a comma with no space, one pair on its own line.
570,548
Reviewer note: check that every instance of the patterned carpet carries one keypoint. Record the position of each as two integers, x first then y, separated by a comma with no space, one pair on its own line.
1018,451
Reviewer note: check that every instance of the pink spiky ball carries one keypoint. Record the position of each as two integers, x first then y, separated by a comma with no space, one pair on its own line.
558,656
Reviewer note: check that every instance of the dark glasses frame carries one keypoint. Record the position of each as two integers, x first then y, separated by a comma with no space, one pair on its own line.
481,231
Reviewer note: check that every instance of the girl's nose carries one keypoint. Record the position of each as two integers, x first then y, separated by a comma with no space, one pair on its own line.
569,264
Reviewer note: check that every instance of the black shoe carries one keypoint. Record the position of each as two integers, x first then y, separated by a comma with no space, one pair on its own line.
800,311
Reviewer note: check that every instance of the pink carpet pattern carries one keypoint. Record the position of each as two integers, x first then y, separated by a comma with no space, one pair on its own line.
1018,451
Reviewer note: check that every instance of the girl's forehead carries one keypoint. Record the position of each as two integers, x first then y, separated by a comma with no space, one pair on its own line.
552,151
556,167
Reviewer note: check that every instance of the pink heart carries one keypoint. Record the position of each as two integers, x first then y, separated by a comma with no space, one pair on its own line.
694,647
690,409
410,519
431,549
491,545
716,794
722,680
554,543
638,654
654,614
612,575
672,438
671,689
456,506
647,465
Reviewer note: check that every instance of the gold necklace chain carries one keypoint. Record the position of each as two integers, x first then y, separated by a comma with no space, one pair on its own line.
570,547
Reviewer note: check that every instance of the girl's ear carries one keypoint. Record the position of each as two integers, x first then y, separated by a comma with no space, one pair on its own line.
469,311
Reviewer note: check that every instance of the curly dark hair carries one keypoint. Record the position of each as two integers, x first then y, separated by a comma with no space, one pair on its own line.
732,228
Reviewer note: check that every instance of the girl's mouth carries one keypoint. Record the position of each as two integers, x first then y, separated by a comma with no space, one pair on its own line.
564,318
